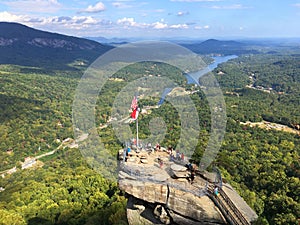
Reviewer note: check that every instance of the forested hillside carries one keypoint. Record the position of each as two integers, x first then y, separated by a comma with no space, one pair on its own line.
36,116
25,46
213,46
263,164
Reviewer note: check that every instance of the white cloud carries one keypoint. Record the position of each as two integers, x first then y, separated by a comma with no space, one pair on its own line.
45,6
127,22
99,7
121,5
179,26
235,6
83,20
88,25
195,0
297,5
130,22
180,13
159,25
67,21
56,23
9,17
200,28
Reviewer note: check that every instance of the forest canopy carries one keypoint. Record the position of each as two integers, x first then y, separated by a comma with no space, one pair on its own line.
36,117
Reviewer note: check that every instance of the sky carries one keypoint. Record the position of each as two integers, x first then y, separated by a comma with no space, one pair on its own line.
158,18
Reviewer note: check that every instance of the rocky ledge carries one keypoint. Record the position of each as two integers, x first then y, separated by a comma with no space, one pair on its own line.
160,191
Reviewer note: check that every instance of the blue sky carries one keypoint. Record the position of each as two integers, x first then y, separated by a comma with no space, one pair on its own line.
158,18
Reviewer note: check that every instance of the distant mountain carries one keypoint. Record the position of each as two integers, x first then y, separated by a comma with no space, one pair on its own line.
115,41
210,46
106,40
22,45
213,46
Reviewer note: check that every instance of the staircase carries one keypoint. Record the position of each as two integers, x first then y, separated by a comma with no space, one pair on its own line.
231,213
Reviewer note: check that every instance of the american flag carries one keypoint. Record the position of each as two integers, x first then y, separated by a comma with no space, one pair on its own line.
134,103
135,113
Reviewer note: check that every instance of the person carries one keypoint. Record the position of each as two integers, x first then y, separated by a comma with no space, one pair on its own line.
192,176
124,155
173,154
128,150
161,163
182,156
170,150
177,155
189,166
216,191
157,147
127,153
171,157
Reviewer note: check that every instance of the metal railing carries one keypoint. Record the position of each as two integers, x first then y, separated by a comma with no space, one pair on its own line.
228,208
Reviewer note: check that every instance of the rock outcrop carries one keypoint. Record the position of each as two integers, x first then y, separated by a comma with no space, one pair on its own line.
160,191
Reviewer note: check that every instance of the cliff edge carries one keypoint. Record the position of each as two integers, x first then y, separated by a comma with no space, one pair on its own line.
160,191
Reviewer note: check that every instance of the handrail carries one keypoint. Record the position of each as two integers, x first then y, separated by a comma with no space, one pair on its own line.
237,218
235,209
224,211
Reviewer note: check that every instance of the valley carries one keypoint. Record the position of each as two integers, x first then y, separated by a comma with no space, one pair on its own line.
260,159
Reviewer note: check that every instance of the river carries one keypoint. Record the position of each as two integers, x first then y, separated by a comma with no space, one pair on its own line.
193,78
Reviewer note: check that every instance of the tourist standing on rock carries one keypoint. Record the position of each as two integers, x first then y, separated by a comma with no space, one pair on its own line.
157,148
182,156
127,153
171,158
192,176
192,169
177,155
124,154
189,166
161,163
170,149
173,154
216,191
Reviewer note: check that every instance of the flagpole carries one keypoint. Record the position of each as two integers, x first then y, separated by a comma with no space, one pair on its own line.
134,116
137,134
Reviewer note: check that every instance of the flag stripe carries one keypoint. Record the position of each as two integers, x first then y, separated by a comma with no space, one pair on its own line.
135,114
134,103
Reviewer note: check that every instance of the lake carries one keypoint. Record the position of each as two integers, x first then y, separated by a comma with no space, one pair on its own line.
193,78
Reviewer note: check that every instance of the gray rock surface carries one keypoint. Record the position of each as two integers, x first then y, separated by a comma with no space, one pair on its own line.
160,193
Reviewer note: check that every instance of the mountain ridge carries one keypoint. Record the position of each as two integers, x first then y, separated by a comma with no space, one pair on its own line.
26,46
223,47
